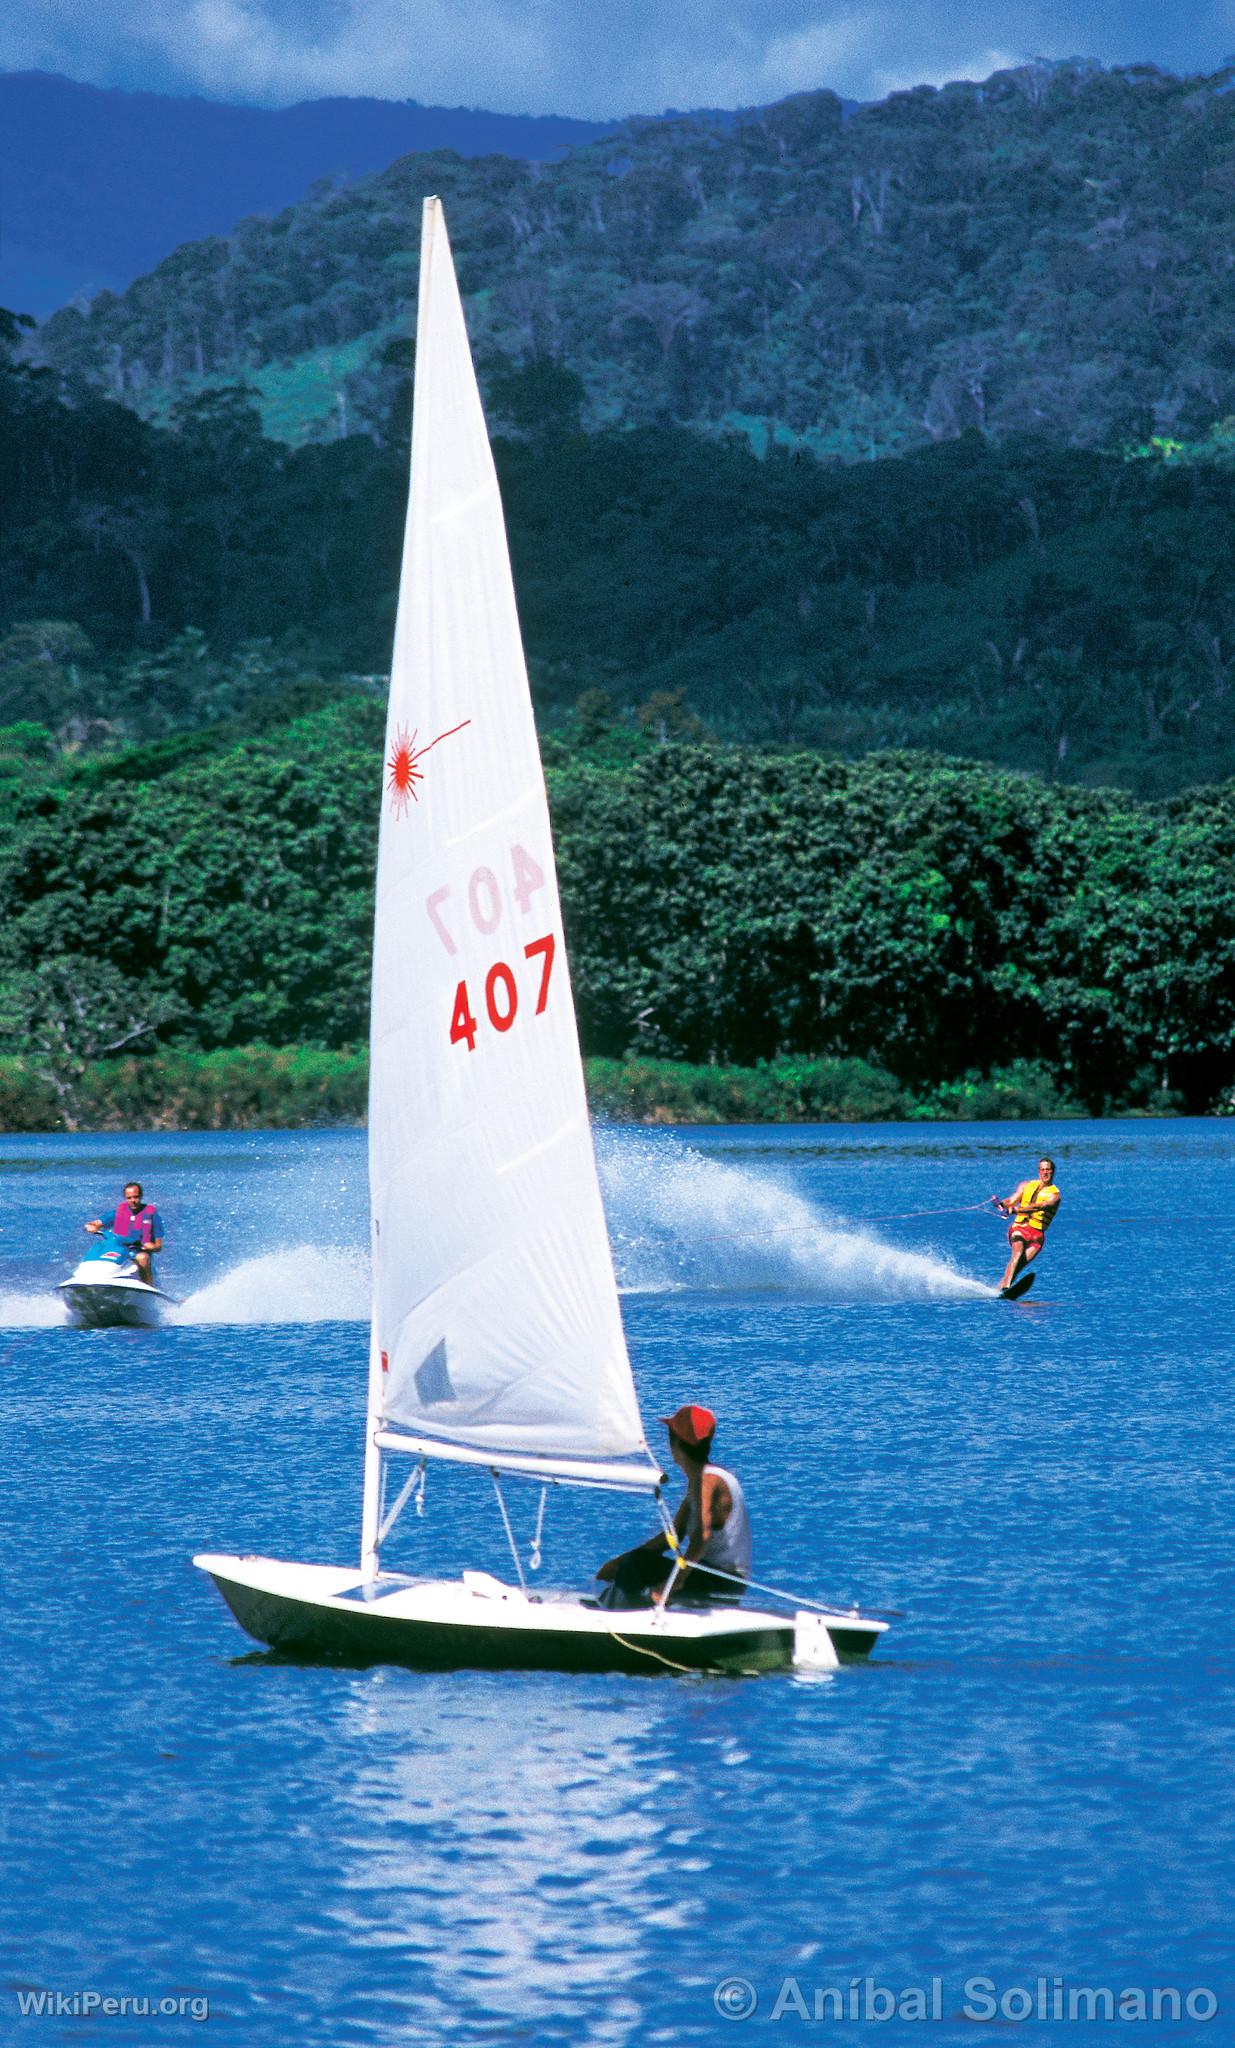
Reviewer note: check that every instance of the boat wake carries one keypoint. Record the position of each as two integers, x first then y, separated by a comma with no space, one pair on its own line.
679,1220
304,1284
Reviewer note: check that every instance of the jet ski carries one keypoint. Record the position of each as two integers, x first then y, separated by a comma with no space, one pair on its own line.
106,1289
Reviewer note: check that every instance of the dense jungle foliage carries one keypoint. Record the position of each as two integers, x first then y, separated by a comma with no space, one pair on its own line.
723,905
1065,611
1048,252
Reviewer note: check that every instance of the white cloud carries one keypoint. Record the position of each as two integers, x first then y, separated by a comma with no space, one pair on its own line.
898,78
862,53
393,49
497,53
599,58
743,69
815,56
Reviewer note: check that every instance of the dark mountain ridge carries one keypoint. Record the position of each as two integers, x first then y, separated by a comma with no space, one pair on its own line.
100,185
1052,251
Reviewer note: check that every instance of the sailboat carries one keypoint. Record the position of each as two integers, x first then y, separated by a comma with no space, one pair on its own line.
496,1338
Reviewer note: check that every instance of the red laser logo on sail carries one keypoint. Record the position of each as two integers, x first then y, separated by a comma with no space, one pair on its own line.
404,770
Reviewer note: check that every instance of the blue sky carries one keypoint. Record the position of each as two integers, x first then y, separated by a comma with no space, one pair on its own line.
595,58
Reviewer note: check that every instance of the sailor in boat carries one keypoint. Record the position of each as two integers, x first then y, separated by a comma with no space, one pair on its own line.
136,1225
1032,1206
712,1529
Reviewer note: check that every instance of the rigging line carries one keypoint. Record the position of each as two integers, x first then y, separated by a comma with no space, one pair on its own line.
690,1670
388,1521
510,1534
534,1556
756,1585
643,1650
835,1610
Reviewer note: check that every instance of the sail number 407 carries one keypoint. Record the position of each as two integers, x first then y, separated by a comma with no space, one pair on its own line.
485,908
501,995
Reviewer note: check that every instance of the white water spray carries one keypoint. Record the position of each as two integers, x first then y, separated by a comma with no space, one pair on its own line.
304,1284
24,1311
680,1220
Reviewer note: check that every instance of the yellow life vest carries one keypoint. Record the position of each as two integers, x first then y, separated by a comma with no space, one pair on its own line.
1032,1205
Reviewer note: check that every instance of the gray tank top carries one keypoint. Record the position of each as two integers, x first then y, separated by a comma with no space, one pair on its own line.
728,1548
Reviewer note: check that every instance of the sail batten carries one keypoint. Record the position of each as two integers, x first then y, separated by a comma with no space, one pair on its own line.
496,1325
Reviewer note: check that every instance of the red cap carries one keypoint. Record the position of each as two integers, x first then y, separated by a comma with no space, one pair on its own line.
691,1425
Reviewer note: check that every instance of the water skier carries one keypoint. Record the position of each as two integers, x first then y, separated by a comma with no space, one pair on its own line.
1032,1206
138,1225
711,1525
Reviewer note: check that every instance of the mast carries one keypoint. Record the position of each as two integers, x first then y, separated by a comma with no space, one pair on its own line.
497,1334
371,1504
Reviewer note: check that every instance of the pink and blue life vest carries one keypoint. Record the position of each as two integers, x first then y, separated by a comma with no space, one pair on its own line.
145,1223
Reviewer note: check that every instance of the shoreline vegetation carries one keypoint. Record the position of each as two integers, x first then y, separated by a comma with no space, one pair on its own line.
261,1087
753,935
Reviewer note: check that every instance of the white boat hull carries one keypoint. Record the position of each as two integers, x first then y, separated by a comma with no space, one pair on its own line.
326,1613
107,1300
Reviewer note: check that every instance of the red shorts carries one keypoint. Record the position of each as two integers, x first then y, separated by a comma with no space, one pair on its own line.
1028,1233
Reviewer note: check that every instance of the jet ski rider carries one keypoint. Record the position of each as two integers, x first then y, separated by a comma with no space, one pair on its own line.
138,1225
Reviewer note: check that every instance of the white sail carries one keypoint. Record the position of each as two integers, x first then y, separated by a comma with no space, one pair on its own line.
496,1325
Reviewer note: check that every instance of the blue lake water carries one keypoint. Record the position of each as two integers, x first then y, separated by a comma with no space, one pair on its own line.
1031,1781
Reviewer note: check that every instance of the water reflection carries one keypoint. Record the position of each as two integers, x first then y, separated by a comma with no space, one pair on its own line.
528,1818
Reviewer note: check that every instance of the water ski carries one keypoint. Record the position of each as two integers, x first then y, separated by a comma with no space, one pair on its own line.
1018,1287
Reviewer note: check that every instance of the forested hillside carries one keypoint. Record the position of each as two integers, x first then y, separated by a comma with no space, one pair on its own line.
1065,611
721,904
1049,252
